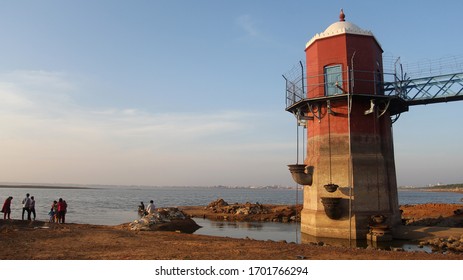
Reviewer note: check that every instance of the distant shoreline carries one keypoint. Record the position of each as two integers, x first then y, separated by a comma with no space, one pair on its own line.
41,187
454,190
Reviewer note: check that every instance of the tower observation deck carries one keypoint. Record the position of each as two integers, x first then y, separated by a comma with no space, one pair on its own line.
402,91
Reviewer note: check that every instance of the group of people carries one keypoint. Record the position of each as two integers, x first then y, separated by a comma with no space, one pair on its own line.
28,206
58,209
142,211
57,213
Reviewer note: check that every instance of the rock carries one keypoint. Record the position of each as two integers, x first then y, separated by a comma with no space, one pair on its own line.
452,239
217,203
445,244
221,206
242,211
165,219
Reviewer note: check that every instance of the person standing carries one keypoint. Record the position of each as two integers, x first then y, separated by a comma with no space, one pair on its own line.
61,210
150,208
6,209
54,212
65,207
32,207
26,207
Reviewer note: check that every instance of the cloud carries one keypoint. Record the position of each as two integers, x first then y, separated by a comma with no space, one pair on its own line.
47,137
51,116
248,25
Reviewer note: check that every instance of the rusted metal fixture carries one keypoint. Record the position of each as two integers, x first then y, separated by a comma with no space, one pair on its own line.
332,207
379,228
301,174
331,187
378,219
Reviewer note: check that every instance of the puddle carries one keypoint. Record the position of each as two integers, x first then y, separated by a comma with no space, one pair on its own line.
290,232
394,245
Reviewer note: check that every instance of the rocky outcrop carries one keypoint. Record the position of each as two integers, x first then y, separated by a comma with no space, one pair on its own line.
434,222
165,219
432,214
222,210
219,203
453,244
221,206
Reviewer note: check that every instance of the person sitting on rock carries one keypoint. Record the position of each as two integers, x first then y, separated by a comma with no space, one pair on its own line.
141,209
150,208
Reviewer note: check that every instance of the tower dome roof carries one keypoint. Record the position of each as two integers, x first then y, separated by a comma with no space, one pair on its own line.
340,27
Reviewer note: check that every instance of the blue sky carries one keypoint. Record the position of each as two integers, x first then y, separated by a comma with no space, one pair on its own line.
190,92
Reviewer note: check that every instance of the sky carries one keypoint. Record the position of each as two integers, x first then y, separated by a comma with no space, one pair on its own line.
190,93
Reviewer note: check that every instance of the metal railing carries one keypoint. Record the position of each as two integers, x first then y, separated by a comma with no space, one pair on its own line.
442,88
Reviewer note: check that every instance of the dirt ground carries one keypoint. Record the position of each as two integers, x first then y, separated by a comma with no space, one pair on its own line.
433,214
23,240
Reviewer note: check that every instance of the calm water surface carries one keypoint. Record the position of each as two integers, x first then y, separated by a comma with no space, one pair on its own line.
113,206
117,205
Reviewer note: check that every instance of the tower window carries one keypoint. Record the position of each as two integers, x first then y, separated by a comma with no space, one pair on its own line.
333,80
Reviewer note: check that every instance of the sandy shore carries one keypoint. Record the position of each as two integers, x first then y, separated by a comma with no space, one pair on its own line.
41,240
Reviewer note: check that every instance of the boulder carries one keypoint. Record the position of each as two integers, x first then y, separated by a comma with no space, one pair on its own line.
165,219
445,244
217,203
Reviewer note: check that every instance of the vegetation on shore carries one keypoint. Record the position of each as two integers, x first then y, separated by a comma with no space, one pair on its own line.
447,187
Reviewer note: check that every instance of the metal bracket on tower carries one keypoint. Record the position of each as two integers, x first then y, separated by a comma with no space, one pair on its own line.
339,87
372,107
328,107
319,117
302,118
383,111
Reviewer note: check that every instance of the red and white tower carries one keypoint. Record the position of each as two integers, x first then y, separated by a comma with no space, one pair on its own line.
349,135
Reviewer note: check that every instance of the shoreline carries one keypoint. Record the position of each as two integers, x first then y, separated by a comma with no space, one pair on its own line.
64,186
454,190
39,240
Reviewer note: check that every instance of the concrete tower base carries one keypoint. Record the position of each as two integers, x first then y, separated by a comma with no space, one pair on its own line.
363,167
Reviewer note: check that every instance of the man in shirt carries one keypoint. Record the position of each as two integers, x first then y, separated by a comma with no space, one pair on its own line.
32,208
150,208
26,207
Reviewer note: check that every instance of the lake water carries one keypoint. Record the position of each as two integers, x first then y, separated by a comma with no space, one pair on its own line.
117,205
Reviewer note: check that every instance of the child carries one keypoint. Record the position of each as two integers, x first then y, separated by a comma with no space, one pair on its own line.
52,212
52,215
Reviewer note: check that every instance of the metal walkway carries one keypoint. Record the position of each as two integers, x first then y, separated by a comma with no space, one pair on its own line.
410,92
443,88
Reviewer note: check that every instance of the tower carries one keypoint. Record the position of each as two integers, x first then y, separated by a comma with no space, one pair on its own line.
350,154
